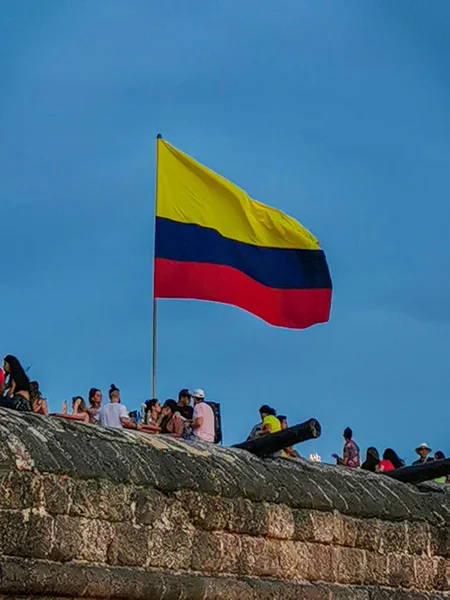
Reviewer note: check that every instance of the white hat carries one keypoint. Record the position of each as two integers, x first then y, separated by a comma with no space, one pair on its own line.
423,445
199,394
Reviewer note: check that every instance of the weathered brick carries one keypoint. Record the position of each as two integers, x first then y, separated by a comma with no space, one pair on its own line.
377,569
394,537
149,505
13,531
425,570
303,525
350,565
321,563
260,557
170,549
401,570
39,536
244,516
323,526
101,499
68,538
280,522
206,511
129,546
419,538
97,537
20,490
216,552
57,492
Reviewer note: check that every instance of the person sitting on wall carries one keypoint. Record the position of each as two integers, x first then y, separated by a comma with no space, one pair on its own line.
203,425
290,450
114,414
2,382
38,403
270,423
171,423
423,451
350,456
17,386
95,398
372,460
184,404
80,410
153,413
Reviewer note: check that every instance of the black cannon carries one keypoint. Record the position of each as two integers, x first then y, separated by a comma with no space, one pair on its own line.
266,445
420,473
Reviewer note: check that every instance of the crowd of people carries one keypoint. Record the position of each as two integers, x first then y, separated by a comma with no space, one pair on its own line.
388,461
189,418
177,419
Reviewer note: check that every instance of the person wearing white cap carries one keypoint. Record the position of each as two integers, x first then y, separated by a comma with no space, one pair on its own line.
423,451
203,420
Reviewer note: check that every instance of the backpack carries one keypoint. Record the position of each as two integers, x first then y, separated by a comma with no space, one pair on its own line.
217,421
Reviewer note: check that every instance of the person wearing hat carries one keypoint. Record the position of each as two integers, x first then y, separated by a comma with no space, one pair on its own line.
423,451
203,426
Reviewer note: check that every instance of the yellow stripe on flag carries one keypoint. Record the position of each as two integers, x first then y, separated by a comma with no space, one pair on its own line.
189,192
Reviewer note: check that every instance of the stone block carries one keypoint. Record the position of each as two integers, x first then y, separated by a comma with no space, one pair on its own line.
394,537
303,525
245,516
206,511
68,538
350,565
368,534
170,549
280,521
39,536
401,570
20,490
129,546
419,538
321,563
97,538
425,571
377,569
57,491
442,573
149,505
216,552
101,499
323,527
13,531
261,557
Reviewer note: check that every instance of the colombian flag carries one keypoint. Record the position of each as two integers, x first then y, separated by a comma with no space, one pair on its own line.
215,243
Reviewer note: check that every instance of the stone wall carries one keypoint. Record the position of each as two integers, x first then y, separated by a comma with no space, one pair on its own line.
91,513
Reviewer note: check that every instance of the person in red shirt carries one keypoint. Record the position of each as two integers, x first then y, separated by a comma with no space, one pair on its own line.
390,461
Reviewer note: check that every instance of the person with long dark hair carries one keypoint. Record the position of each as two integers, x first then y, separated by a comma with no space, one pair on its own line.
153,412
95,401
372,460
17,385
38,403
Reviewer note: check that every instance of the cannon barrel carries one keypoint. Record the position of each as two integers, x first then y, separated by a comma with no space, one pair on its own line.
420,473
265,445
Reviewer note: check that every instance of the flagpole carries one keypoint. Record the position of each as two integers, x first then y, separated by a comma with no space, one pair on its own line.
154,314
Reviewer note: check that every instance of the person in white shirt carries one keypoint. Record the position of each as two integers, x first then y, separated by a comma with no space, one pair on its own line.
203,419
113,414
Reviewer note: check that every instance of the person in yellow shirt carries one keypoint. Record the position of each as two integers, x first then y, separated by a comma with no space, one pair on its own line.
270,423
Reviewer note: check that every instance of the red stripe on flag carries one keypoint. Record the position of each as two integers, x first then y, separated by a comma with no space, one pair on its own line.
295,309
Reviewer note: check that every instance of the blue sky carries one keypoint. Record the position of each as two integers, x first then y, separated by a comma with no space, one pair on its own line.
336,112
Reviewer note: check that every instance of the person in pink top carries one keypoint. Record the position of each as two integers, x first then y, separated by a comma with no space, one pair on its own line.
203,419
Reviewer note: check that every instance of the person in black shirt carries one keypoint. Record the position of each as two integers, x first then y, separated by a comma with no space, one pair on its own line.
184,405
